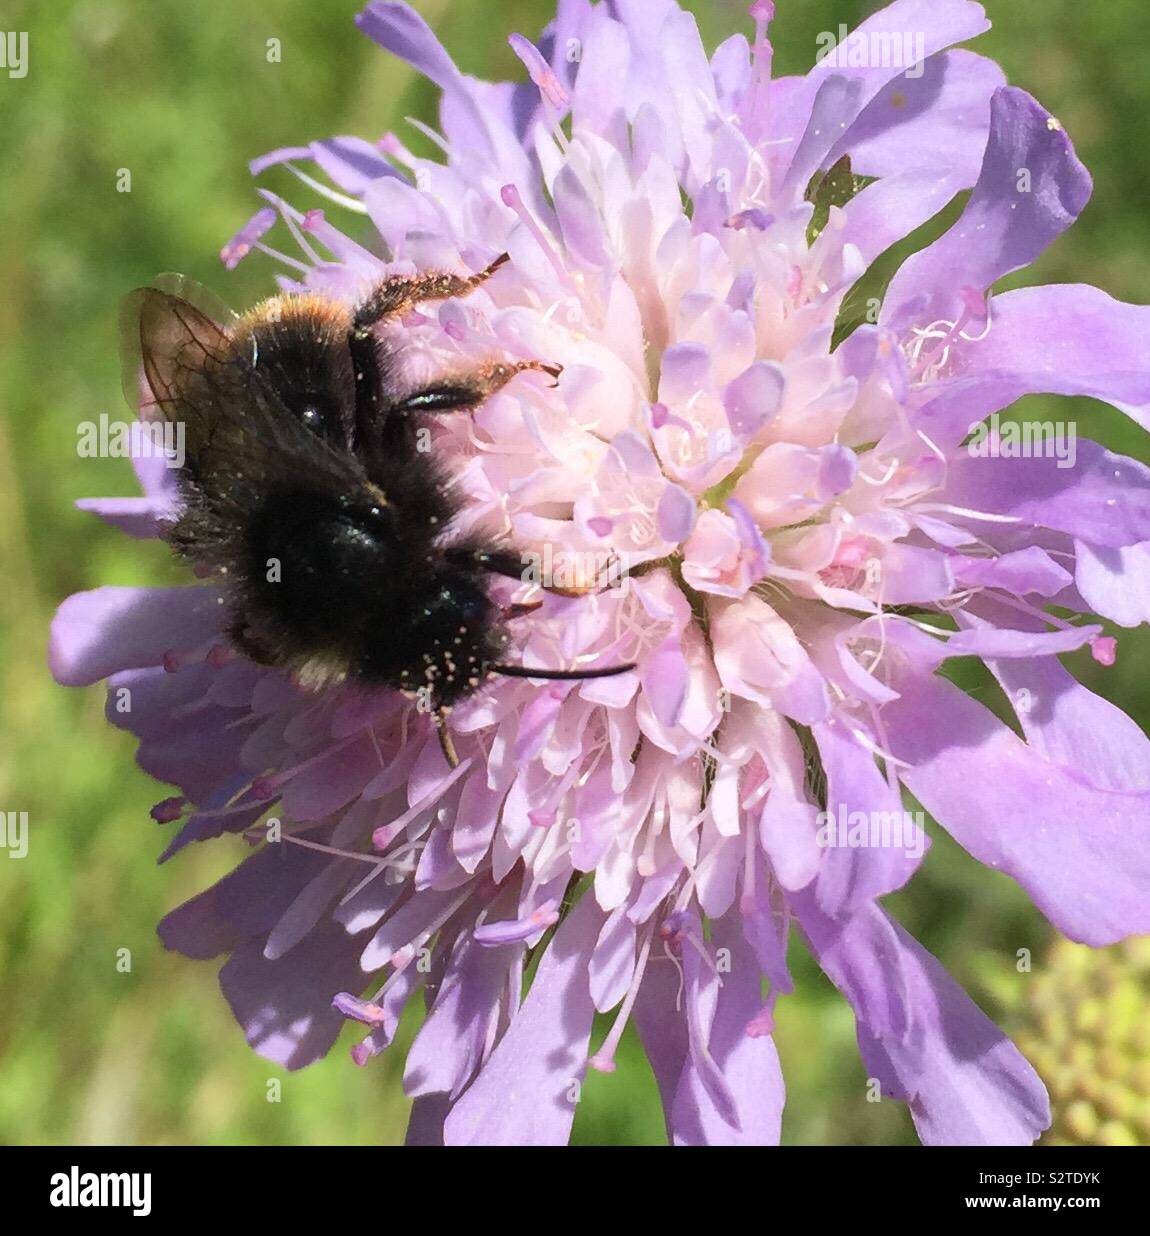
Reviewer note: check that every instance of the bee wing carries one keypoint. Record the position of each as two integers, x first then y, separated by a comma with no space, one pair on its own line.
237,436
168,332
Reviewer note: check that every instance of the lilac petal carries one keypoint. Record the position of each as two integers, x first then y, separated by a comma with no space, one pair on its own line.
157,479
835,106
690,86
937,120
701,1071
911,574
197,929
175,747
1083,854
787,824
1115,583
753,398
475,820
924,137
752,540
411,920
664,677
282,154
365,907
685,370
351,163
636,456
605,70
848,876
579,219
138,517
307,909
767,932
838,466
98,633
598,811
731,71
1104,499
400,30
891,208
332,781
461,1025
676,514
1070,726
965,1082
749,1065
526,1092
285,1006
942,23
155,695
759,658
613,962
536,725
1030,570
1002,228
663,1031
988,641
1061,339
242,905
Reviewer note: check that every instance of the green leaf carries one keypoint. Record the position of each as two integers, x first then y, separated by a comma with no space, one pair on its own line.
835,187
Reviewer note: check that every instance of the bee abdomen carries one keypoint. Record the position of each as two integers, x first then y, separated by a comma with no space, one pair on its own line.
319,569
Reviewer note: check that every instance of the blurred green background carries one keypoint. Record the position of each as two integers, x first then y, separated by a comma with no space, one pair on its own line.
182,95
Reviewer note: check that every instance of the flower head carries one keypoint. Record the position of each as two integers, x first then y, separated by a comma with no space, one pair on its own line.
807,530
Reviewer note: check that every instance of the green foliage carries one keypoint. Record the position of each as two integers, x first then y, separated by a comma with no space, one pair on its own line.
834,187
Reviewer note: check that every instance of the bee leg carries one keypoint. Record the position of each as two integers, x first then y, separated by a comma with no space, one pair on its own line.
392,298
605,579
586,591
397,295
243,641
520,609
492,378
439,718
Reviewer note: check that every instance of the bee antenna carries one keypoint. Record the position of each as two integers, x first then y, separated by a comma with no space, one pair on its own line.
527,671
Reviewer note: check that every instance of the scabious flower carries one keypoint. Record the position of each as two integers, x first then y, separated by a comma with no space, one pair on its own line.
808,539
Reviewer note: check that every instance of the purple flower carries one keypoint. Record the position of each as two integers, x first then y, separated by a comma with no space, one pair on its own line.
809,531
